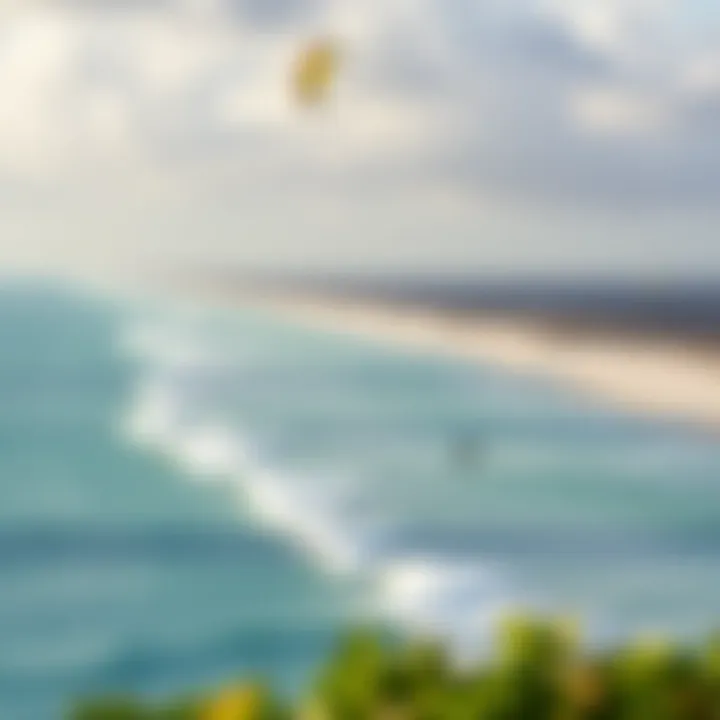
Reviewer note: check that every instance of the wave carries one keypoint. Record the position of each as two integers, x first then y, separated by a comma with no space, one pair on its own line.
214,452
458,600
208,447
319,513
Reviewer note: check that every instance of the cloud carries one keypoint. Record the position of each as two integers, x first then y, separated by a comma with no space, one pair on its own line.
153,107
626,31
273,15
617,111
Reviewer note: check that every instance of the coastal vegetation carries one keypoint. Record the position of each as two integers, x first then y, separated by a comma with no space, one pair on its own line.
537,671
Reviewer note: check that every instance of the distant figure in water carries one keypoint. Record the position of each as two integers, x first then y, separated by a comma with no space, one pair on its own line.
465,452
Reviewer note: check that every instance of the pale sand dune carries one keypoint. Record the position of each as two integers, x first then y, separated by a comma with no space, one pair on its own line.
658,376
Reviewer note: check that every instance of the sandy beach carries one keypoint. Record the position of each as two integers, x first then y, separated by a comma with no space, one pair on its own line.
665,377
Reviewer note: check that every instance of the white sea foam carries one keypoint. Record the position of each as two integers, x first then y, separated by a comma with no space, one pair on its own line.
454,599
208,451
206,448
152,413
162,344
435,594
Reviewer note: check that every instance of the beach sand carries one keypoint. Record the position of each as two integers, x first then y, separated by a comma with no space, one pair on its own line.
663,376
667,377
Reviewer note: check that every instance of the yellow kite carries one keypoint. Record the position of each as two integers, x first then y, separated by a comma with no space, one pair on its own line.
315,72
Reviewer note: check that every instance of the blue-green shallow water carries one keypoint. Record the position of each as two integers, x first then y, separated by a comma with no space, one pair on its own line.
187,496
116,573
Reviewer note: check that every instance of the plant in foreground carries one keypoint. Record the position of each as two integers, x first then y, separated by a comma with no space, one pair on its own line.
538,672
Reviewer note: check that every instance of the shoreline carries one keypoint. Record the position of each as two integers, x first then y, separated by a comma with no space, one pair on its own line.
650,375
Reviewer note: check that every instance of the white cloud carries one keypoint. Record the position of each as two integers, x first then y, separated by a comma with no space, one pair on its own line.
35,62
701,76
175,117
629,31
612,110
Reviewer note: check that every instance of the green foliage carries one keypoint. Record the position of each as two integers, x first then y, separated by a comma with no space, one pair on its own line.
118,708
111,709
539,673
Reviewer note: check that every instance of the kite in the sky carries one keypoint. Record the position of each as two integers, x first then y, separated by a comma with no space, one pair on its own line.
315,72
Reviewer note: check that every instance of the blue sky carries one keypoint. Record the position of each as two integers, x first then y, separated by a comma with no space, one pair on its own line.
495,135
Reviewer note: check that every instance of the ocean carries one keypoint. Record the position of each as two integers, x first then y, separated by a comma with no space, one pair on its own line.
189,495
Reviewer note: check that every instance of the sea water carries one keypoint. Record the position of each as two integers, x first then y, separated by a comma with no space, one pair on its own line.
189,496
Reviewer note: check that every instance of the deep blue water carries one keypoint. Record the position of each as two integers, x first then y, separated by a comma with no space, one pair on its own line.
186,496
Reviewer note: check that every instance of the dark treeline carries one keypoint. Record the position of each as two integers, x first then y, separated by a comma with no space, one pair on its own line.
689,309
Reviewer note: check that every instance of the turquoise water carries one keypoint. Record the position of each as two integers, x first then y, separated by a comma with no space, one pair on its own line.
188,496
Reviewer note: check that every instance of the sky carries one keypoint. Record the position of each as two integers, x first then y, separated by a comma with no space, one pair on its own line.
496,136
